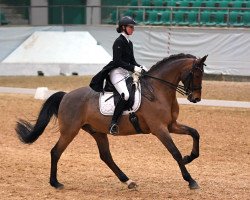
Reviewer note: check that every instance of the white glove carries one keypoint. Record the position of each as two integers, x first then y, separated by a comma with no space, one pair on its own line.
135,77
144,68
138,69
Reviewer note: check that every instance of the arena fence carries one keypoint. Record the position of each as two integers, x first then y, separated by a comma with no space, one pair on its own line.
211,15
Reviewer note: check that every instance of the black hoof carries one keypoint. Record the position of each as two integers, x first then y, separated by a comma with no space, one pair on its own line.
57,185
132,185
193,185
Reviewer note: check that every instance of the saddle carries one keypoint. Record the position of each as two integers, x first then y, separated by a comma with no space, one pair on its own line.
109,98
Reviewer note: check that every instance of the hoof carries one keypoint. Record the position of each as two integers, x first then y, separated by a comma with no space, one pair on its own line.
131,184
57,185
193,185
60,186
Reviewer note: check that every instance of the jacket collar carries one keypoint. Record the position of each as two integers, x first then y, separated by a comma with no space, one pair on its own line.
126,41
126,36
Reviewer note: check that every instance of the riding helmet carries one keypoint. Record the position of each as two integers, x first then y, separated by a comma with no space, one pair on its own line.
124,21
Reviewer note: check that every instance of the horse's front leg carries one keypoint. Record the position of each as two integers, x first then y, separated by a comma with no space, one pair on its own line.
186,130
105,155
164,136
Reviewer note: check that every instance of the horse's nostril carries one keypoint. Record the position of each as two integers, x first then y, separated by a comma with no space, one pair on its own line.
197,99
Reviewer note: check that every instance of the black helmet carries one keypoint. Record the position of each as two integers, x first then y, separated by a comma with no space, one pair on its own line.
126,20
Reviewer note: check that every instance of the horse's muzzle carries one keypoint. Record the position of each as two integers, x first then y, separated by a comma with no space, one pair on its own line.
193,100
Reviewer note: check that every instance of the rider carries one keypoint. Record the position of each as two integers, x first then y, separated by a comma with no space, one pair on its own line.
118,69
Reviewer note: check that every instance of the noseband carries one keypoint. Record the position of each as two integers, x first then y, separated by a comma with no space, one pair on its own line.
188,87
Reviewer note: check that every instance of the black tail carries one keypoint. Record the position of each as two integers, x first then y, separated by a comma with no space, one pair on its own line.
29,133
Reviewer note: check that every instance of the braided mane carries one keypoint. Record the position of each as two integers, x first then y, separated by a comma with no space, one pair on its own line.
170,59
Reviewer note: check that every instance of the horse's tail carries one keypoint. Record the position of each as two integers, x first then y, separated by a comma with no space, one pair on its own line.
29,133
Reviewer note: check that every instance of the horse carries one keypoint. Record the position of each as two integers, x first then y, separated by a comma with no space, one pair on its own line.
158,113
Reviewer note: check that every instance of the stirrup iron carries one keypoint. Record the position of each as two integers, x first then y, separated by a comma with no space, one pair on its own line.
114,129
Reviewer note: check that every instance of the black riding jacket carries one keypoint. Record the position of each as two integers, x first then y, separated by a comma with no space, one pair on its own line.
123,56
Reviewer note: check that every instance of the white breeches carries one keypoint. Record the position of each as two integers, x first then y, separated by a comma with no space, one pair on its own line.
118,78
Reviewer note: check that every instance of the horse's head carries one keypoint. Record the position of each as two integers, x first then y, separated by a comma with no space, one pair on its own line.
192,80
180,67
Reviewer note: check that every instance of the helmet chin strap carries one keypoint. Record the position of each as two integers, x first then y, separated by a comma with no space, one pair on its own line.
125,30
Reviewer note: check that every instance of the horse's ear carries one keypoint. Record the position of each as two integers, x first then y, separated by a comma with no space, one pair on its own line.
203,59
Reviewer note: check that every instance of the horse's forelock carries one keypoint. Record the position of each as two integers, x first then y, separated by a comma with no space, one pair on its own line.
170,59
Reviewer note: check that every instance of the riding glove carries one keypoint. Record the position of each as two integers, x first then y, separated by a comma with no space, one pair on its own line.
144,68
138,69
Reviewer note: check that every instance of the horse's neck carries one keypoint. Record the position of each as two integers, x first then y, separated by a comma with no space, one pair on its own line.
170,74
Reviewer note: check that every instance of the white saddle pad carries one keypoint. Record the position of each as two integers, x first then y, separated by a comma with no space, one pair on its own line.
107,107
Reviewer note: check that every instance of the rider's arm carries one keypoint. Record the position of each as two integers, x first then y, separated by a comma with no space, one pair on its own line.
133,57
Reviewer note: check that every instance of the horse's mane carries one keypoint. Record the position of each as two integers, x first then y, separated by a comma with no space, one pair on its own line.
170,59
147,90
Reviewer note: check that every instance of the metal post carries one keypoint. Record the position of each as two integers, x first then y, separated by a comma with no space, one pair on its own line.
199,17
91,15
144,15
117,14
62,11
0,17
29,15
171,16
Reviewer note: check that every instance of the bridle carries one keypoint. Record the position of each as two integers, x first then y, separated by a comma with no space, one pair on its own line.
188,86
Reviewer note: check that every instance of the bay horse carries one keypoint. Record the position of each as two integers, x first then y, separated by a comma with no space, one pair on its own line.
158,113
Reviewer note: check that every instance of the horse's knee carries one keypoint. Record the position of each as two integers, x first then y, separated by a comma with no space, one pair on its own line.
194,133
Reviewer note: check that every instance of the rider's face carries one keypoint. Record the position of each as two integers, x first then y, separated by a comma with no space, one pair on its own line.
130,29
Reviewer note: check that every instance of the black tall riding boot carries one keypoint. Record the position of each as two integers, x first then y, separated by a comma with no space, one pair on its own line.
114,129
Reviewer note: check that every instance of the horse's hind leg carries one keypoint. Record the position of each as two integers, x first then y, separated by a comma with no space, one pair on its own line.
105,155
56,152
186,130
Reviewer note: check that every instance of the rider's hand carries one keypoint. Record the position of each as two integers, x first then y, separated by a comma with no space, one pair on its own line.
138,69
144,68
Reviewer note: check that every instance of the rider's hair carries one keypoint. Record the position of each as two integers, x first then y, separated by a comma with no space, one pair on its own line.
119,29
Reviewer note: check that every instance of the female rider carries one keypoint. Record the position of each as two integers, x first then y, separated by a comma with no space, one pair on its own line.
118,69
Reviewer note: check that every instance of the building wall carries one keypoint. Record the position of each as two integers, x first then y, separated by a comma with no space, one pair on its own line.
94,13
39,15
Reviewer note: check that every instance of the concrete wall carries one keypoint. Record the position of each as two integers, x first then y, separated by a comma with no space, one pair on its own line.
93,13
39,15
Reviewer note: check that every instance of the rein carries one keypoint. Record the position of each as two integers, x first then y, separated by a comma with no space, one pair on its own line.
184,90
178,88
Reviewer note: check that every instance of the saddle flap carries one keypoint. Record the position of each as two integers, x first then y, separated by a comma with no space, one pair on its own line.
107,105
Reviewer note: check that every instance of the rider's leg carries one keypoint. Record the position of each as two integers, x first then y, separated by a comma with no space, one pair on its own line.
118,78
114,129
